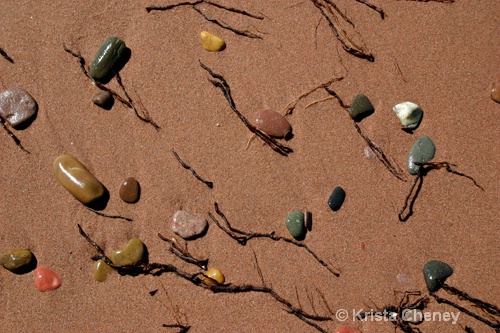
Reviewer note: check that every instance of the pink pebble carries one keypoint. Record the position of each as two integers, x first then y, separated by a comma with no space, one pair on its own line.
46,279
272,123
347,329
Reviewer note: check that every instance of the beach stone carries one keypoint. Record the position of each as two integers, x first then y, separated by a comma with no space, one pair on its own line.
212,43
272,123
188,225
17,107
17,260
101,270
77,179
435,274
308,220
133,252
46,279
336,198
112,51
361,107
130,190
347,329
409,114
104,99
295,224
213,277
422,151
495,92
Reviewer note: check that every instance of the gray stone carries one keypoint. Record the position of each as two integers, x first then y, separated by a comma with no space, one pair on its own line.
435,274
422,151
104,100
17,107
295,224
337,198
361,107
188,225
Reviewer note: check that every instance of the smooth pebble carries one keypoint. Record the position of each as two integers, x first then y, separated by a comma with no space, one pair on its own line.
308,220
109,54
211,42
295,224
495,92
213,277
133,252
17,260
101,270
272,123
104,99
361,107
409,114
130,190
17,107
435,274
46,279
188,225
347,329
77,179
336,198
422,151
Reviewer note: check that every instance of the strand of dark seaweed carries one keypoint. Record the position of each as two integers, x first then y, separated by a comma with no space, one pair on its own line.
156,269
109,216
490,308
6,56
420,180
222,84
184,254
495,325
354,49
13,136
182,328
127,102
185,166
242,237
375,8
448,166
194,5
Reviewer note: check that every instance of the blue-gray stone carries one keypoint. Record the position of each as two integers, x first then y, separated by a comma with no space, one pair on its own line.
295,224
435,273
337,198
422,151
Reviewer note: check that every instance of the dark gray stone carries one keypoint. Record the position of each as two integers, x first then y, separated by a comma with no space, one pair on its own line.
361,107
422,151
337,198
435,274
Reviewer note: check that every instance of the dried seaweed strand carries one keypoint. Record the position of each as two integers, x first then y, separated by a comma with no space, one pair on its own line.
183,253
109,216
448,166
222,84
185,166
375,8
490,308
242,237
13,136
403,218
6,56
182,328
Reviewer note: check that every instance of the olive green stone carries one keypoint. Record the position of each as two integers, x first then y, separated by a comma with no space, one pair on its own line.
422,151
435,273
112,50
101,270
133,252
295,224
17,260
104,99
361,107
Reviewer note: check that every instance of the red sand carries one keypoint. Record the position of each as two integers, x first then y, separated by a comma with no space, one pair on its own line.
447,55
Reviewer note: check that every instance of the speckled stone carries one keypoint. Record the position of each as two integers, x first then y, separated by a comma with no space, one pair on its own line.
17,107
130,190
272,123
46,279
435,274
104,99
211,42
336,198
133,252
17,260
101,270
422,151
213,277
361,107
188,225
295,224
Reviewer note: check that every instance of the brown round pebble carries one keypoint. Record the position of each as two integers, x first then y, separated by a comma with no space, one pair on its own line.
103,99
130,190
495,92
272,123
17,107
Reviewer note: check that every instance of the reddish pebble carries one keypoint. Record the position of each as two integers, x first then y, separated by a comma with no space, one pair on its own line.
347,329
272,123
46,279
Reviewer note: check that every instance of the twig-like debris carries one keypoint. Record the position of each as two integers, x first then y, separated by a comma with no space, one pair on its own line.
127,101
219,82
182,328
109,216
448,166
185,166
242,237
490,308
13,136
156,269
183,253
375,8
411,198
194,5
6,56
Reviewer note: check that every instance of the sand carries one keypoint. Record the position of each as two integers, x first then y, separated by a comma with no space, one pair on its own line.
443,57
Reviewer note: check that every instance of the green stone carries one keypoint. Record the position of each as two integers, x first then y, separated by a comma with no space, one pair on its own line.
101,270
111,52
361,107
18,260
422,151
295,224
435,273
134,252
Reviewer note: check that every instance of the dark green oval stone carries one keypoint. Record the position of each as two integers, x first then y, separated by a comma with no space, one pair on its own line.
361,107
435,273
295,224
337,198
110,52
422,151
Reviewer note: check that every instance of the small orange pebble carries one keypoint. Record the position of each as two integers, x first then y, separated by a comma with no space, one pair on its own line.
213,277
347,329
46,279
362,245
